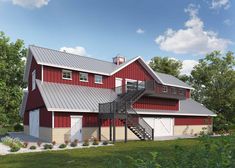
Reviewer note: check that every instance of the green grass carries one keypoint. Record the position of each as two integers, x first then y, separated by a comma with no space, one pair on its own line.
97,157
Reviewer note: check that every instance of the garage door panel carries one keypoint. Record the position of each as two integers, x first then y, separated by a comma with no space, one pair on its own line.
161,126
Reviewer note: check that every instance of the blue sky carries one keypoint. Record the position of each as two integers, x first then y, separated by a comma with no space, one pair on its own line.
185,29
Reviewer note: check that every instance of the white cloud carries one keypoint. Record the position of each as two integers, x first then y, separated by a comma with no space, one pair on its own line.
31,3
193,39
187,66
228,22
218,4
140,31
78,50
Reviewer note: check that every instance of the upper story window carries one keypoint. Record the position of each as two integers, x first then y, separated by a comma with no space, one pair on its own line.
181,92
33,79
173,90
66,74
164,89
83,77
98,79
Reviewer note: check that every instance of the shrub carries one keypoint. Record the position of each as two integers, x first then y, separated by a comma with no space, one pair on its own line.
39,143
53,143
18,127
47,146
95,141
63,146
105,143
86,143
73,144
66,142
76,141
33,147
8,141
15,148
220,124
25,144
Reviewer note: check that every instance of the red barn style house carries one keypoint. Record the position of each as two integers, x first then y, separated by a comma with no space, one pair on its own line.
75,97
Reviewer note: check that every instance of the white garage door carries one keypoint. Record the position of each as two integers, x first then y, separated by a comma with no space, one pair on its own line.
161,126
34,123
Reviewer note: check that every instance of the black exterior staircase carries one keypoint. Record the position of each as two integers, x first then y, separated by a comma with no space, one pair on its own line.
121,108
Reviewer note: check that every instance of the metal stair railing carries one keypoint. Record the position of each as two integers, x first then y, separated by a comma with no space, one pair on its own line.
123,105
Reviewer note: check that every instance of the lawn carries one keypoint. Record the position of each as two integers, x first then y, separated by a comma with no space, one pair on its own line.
99,157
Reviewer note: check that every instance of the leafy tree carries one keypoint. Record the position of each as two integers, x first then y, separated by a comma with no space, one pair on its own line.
12,63
166,65
214,82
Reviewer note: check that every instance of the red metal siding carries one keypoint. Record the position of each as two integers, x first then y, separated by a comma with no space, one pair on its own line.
62,119
156,103
34,100
188,95
193,120
26,118
45,118
133,71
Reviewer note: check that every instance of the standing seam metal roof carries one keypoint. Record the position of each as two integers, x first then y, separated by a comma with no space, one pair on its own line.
64,97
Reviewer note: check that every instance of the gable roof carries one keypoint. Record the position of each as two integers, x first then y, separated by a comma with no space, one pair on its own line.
54,58
73,98
172,81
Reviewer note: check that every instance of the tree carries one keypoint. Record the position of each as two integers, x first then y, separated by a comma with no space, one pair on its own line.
214,82
166,65
12,56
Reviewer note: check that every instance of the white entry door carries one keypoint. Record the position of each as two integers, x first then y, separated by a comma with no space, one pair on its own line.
34,123
118,85
76,128
161,126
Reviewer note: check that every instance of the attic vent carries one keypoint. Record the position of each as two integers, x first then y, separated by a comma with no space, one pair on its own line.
119,59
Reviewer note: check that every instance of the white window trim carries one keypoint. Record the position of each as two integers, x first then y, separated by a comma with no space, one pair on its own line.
164,91
101,80
83,80
53,119
68,72
34,80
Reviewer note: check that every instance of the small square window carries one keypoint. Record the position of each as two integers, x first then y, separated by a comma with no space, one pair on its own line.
181,92
66,74
83,77
165,89
98,79
173,90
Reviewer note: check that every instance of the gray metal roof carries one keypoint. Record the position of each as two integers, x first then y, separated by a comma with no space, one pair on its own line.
171,80
23,103
56,58
50,57
74,98
188,107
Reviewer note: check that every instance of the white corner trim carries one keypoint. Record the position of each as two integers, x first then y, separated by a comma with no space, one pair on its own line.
53,120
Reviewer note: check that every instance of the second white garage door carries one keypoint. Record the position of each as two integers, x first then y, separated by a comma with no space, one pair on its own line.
161,126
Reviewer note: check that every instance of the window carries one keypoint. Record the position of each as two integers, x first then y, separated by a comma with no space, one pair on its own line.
98,79
174,91
83,77
164,89
131,85
33,79
181,92
66,74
